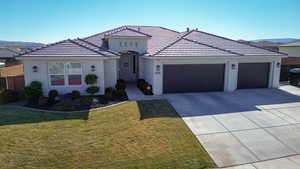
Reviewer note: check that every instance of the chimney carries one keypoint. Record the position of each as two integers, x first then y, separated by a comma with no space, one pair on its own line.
187,29
196,29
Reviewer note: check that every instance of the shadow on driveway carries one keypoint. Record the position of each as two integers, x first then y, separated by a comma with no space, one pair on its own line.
197,104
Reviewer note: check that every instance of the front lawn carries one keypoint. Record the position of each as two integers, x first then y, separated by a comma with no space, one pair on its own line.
145,134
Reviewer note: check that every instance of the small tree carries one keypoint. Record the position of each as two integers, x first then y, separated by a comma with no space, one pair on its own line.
33,92
91,80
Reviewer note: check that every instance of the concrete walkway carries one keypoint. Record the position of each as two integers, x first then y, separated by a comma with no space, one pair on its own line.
135,93
245,126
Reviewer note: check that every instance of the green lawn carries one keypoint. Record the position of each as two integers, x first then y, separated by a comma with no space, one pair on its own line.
145,134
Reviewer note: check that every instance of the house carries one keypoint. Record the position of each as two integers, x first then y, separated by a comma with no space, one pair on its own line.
293,59
11,74
171,61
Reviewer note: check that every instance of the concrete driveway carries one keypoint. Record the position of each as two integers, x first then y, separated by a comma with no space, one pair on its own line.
245,126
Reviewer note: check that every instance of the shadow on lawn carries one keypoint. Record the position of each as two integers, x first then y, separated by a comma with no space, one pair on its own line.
13,116
156,109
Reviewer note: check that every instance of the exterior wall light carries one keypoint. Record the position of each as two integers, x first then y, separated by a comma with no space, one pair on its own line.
233,66
157,68
93,68
278,65
34,68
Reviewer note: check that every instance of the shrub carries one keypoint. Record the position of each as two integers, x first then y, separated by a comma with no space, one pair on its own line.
120,86
9,96
147,89
64,105
103,101
119,95
140,83
92,90
91,79
109,93
75,94
33,92
85,101
52,94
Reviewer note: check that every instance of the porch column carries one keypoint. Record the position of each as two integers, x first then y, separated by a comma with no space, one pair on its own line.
157,77
231,76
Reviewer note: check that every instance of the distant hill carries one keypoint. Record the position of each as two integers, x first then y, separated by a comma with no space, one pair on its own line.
278,40
20,43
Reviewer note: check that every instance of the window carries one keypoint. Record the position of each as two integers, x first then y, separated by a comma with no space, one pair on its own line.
125,44
130,43
60,73
74,72
56,72
121,44
136,44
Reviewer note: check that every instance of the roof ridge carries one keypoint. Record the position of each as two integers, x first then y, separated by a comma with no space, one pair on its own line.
240,42
225,50
97,46
172,43
138,31
86,47
102,32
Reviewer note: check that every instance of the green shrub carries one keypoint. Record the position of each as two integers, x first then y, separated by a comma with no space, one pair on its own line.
52,94
109,93
91,79
75,94
119,95
121,85
64,105
92,90
33,92
140,83
9,96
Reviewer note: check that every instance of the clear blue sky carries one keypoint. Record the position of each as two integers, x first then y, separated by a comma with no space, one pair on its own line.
53,20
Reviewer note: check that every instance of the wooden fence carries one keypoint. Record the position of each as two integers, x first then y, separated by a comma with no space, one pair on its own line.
12,82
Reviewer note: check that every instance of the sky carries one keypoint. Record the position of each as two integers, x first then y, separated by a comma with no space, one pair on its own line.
49,21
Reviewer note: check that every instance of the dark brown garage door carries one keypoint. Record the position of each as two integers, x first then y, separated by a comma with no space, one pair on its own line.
193,78
253,75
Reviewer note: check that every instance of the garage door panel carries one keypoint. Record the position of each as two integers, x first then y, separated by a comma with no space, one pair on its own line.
193,78
253,75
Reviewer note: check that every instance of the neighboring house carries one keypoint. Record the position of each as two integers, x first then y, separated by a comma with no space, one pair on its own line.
293,59
171,61
11,74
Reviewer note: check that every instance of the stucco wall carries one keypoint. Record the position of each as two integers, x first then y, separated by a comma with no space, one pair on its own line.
291,51
230,80
114,44
148,70
110,73
42,74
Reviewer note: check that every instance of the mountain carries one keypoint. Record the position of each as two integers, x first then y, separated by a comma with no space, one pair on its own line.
20,43
278,40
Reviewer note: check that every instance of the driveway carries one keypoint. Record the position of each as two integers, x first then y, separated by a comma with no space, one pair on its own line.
245,126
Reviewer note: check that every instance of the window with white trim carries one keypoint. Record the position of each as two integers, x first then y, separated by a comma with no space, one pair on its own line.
61,73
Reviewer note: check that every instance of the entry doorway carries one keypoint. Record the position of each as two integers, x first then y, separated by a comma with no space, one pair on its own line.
128,65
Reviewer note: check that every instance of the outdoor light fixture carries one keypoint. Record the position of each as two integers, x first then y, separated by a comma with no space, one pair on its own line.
278,65
233,66
93,68
157,67
34,68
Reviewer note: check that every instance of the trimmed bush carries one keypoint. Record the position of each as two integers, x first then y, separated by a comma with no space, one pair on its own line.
33,92
43,101
120,86
64,105
140,83
109,93
75,94
92,90
8,96
52,94
91,79
119,95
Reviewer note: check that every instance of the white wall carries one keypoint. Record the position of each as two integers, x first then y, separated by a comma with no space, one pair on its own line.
231,75
114,44
291,51
108,71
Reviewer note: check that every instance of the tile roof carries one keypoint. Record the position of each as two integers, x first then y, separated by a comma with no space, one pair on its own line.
7,53
294,44
161,42
68,47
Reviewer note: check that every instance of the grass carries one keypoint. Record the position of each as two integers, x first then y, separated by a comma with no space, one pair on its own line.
145,134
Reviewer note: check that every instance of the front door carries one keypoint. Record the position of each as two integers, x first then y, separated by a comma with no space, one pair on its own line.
128,69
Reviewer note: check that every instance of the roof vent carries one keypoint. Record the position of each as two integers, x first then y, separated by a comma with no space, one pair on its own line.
187,29
196,29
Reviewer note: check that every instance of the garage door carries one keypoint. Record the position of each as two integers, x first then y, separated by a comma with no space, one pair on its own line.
253,75
193,78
